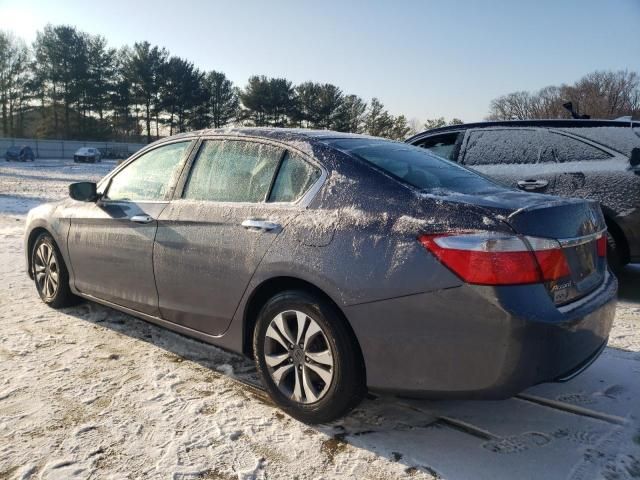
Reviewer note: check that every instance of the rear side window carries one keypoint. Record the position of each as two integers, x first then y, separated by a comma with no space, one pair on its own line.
294,178
444,146
518,146
416,166
232,171
622,138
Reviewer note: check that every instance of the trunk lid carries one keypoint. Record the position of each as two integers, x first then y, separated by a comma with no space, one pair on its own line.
575,223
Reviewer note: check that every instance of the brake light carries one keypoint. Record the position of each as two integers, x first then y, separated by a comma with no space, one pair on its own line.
601,245
488,258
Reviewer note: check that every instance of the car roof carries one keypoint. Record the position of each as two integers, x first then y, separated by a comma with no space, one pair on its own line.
281,134
558,123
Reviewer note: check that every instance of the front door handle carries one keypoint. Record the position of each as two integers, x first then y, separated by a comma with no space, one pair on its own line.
142,219
264,225
531,184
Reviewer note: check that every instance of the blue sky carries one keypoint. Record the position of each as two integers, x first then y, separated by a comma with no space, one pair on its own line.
421,58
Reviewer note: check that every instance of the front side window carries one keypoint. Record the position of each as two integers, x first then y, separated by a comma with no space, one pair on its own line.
416,166
232,171
507,146
442,145
149,176
294,178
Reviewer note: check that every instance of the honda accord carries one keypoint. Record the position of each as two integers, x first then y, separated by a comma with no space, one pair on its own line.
339,262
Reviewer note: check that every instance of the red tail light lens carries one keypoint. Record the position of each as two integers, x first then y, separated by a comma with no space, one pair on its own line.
488,258
601,245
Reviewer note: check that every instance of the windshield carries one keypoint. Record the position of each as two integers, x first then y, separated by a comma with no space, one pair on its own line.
14,149
416,166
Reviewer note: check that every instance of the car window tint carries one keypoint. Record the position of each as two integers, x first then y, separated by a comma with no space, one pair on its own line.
149,176
567,149
511,145
294,178
622,138
416,166
232,171
517,146
441,145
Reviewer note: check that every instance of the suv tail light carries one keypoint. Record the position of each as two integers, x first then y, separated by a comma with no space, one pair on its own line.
601,244
488,258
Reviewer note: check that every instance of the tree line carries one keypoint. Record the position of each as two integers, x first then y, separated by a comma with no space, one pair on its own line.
71,84
600,94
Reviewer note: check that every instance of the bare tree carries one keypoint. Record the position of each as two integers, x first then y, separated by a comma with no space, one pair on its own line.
600,94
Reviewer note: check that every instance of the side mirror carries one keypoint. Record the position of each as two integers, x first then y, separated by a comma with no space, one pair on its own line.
83,191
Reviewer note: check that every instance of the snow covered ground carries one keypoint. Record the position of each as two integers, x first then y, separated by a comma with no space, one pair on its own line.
88,392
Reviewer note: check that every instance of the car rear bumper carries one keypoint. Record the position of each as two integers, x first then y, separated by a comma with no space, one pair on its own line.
480,342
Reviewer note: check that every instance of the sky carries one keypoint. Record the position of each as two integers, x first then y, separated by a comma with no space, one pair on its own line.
423,59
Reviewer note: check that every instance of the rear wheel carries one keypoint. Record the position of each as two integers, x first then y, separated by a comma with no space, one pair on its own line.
307,357
50,273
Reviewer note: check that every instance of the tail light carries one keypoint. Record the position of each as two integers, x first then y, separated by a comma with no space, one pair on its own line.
488,258
601,244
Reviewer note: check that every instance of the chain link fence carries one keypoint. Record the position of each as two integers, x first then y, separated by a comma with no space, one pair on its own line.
66,148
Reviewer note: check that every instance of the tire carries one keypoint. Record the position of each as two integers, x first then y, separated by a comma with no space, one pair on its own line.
319,399
614,256
55,295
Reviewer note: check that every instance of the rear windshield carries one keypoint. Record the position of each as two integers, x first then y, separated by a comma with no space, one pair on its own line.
415,166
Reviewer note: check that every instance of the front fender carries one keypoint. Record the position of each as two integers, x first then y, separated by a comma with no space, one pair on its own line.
47,217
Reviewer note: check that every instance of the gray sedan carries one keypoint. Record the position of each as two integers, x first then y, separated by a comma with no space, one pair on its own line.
340,262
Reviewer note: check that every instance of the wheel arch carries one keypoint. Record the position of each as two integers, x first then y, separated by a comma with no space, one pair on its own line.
272,286
31,240
617,233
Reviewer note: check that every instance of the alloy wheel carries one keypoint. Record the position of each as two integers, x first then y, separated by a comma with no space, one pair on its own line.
298,356
45,268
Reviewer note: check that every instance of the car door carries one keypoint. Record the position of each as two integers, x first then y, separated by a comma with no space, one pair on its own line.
532,159
212,238
111,241
516,157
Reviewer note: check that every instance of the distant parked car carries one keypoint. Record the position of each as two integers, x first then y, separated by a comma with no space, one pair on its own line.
338,262
19,154
87,154
591,159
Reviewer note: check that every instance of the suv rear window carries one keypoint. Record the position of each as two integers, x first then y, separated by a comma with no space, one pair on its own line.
415,166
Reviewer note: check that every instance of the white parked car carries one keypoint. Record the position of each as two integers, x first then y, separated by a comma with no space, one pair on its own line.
87,154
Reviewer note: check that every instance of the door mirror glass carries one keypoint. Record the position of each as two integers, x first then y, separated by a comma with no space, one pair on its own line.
83,191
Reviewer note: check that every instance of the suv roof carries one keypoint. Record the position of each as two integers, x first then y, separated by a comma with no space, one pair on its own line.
558,123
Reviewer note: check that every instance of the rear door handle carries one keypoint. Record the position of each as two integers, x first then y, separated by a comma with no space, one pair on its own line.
532,184
264,225
142,219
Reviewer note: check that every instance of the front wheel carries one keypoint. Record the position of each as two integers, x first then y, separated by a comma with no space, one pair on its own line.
50,273
307,357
